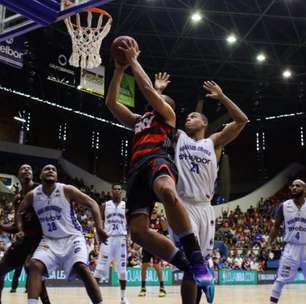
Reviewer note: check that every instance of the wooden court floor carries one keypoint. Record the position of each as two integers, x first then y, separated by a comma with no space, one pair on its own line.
293,294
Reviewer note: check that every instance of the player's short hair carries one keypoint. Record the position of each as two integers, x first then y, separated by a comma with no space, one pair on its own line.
116,184
204,118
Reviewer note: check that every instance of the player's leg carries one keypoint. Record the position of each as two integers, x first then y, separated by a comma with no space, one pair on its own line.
146,259
91,285
157,267
5,267
74,260
121,264
36,271
154,242
288,266
103,263
15,280
164,188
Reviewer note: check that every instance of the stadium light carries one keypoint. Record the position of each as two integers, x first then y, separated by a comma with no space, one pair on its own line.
196,17
261,57
287,74
22,120
231,39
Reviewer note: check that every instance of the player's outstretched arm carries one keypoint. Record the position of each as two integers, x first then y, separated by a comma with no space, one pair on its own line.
233,129
121,112
75,195
145,85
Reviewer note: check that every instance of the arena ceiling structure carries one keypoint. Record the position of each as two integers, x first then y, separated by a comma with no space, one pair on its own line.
255,49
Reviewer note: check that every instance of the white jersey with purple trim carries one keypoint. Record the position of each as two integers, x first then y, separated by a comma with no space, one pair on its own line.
114,219
55,213
197,166
295,223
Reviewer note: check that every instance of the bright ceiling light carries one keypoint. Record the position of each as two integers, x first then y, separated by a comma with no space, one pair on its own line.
196,17
261,57
287,74
231,39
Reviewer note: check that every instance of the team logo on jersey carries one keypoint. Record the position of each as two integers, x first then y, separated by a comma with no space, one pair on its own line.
143,124
78,249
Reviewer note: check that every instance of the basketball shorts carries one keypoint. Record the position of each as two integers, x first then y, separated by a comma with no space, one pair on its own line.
202,217
147,257
62,253
293,257
140,195
114,251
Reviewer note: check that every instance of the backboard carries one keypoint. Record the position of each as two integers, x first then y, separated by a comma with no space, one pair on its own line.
22,16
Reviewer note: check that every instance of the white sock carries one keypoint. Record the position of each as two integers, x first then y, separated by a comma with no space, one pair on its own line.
32,301
123,293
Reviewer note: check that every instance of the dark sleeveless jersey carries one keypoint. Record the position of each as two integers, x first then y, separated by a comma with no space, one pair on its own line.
30,223
152,138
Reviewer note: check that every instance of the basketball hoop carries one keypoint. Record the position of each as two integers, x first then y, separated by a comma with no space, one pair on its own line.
87,39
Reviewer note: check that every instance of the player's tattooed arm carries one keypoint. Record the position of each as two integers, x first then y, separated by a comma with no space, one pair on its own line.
120,111
22,209
75,195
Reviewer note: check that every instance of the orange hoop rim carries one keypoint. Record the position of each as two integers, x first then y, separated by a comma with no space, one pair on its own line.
100,11
94,10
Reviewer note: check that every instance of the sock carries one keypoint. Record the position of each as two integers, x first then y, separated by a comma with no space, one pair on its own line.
32,301
123,293
190,244
143,284
161,284
179,261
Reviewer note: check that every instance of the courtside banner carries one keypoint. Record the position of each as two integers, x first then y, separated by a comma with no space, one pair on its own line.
93,81
134,277
127,91
11,52
237,277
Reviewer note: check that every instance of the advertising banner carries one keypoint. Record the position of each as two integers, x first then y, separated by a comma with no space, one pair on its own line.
11,52
127,91
93,81
134,277
237,277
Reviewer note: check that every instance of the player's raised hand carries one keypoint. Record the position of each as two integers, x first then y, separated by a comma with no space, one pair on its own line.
161,81
121,67
130,50
214,90
102,235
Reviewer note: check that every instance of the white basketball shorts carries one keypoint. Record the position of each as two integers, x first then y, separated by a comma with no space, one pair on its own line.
62,253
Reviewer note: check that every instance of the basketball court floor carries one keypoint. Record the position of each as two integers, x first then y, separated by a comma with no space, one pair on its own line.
293,294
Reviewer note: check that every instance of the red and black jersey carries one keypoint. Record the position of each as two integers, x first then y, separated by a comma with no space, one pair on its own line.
30,223
155,224
153,137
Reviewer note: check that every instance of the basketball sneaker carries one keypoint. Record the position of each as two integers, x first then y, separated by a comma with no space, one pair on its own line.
142,292
209,293
124,301
199,268
162,292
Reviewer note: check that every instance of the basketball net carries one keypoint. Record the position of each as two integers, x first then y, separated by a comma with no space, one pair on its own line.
87,40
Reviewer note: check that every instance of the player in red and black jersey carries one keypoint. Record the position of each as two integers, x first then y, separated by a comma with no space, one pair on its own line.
152,174
28,239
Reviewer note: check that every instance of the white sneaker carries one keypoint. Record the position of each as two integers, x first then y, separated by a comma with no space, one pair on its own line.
124,301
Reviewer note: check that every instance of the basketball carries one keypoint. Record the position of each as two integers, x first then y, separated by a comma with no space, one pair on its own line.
118,54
